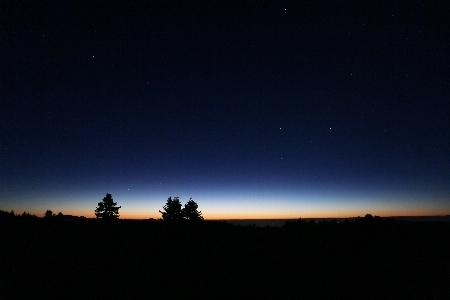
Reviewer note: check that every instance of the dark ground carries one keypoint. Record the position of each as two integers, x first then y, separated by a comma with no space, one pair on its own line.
90,259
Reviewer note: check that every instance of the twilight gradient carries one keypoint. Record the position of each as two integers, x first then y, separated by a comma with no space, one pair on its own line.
255,110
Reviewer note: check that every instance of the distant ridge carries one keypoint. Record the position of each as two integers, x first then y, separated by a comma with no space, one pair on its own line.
281,222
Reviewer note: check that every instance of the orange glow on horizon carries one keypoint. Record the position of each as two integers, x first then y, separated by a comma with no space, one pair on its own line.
268,216
246,215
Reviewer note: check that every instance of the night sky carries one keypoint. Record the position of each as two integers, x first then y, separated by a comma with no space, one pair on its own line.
255,109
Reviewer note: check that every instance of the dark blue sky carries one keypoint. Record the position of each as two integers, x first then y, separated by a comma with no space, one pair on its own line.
255,109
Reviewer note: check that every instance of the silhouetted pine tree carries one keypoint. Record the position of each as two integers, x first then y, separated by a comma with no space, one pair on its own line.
172,210
107,208
190,211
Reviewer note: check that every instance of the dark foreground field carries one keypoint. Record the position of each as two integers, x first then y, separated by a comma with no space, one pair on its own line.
90,259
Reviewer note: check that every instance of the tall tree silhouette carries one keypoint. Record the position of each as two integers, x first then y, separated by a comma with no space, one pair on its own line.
172,210
107,208
190,211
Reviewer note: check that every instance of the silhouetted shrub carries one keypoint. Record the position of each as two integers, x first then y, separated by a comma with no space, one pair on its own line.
48,214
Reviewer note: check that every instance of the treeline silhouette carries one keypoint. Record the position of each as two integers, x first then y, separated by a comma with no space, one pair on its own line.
87,258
